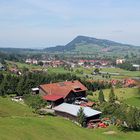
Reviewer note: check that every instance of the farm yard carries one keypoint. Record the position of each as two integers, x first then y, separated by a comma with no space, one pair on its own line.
21,124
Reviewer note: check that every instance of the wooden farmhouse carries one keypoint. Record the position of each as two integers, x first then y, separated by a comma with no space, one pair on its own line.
57,93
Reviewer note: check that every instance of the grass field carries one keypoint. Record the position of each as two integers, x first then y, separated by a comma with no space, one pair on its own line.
22,65
54,128
86,71
134,101
57,70
122,72
128,95
22,124
10,108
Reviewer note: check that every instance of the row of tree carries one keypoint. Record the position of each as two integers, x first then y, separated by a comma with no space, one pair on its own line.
127,66
20,85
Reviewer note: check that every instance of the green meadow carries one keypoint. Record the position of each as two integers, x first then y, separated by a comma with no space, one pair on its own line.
17,122
131,96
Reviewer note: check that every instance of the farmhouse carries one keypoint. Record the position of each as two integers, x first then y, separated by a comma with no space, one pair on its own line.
57,93
70,111
120,61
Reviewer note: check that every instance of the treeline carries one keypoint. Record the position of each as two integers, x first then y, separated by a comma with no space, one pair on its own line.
11,57
96,85
20,85
127,66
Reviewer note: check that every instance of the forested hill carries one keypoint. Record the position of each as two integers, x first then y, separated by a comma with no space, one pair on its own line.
90,44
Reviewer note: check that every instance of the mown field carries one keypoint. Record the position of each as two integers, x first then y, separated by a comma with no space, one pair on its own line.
10,108
130,96
22,124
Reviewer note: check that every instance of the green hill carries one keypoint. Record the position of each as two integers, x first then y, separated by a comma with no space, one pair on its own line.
21,124
10,108
84,44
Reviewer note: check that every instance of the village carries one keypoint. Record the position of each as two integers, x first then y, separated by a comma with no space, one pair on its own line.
88,93
69,70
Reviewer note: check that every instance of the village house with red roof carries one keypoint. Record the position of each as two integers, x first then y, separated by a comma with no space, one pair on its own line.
57,93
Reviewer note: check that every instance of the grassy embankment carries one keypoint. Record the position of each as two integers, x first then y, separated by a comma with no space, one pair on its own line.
17,122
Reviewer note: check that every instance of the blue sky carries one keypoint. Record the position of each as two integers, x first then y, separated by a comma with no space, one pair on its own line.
45,23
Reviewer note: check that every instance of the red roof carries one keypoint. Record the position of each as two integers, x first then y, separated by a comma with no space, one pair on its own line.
52,97
63,88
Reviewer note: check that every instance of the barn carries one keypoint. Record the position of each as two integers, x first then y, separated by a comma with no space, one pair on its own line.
70,111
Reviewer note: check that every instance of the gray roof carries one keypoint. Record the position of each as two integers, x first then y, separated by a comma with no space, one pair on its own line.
73,109
35,89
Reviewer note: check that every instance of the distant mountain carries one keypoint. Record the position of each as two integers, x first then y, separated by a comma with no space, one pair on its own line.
90,44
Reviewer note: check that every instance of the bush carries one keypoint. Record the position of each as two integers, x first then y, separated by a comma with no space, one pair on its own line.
89,92
34,101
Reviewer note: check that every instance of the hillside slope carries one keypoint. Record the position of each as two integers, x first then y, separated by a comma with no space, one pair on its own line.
90,44
18,126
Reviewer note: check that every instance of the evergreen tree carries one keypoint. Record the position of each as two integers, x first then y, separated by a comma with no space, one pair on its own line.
112,95
101,96
21,89
1,77
132,118
4,87
81,117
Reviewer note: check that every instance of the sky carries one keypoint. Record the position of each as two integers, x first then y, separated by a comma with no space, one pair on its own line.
46,23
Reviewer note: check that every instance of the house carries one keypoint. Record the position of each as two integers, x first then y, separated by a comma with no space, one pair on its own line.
129,83
15,71
57,93
70,111
136,66
120,61
35,91
31,61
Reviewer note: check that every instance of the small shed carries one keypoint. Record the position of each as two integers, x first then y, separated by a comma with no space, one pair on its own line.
35,91
70,111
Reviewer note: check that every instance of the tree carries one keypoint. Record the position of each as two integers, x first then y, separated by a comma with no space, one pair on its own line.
96,71
132,118
81,117
40,63
21,89
36,102
1,77
112,96
101,96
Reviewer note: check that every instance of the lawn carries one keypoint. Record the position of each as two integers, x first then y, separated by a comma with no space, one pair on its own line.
22,65
10,108
122,72
22,124
129,95
55,128
57,70
134,101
